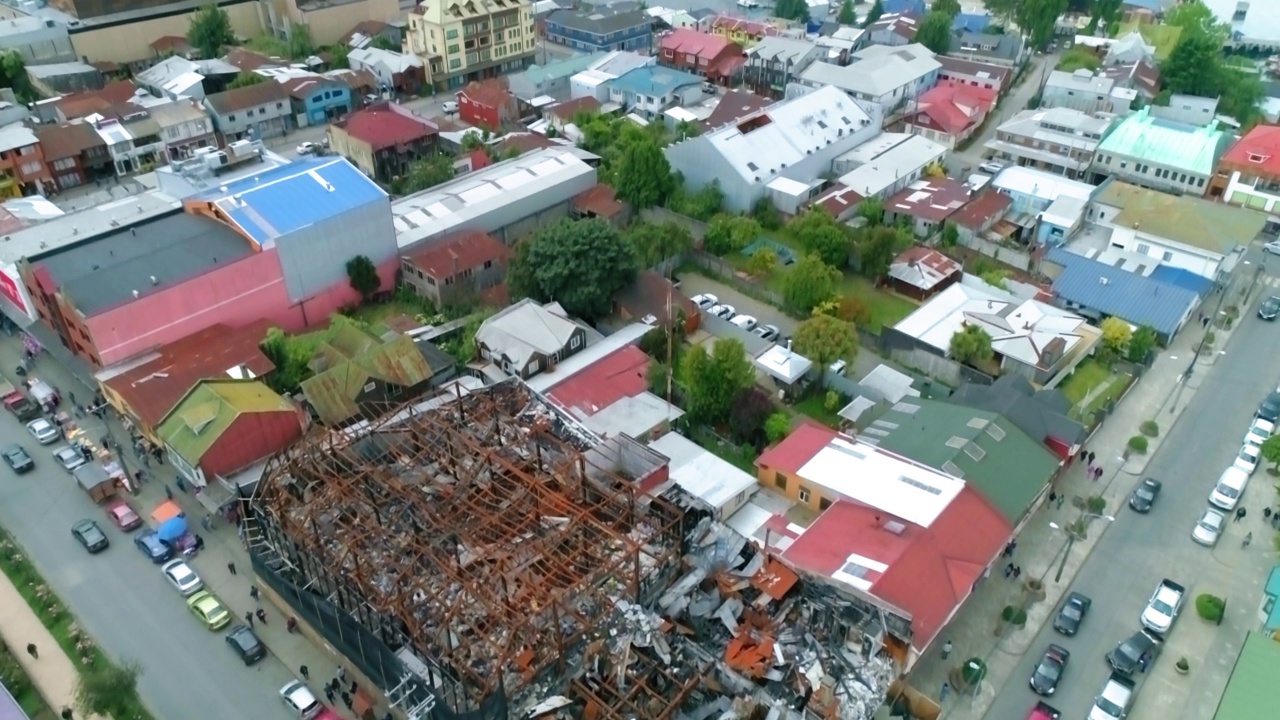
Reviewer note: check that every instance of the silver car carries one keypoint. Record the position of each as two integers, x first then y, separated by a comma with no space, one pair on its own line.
301,702
1272,247
68,457
726,312
1209,527
44,431
182,577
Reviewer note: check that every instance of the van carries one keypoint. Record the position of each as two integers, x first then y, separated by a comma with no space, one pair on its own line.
1230,487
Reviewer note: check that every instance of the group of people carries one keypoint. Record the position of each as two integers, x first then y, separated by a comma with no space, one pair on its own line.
1093,471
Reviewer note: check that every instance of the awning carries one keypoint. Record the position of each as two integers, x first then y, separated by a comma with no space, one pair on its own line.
172,529
164,511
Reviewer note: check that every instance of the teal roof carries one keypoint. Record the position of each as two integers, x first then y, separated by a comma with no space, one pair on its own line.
1252,691
568,67
1172,144
1272,606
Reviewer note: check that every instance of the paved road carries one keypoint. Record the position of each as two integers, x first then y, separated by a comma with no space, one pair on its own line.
1012,104
1134,555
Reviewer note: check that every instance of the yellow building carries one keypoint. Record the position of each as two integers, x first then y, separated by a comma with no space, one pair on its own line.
462,41
327,20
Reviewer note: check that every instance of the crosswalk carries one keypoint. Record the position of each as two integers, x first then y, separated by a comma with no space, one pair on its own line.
1271,281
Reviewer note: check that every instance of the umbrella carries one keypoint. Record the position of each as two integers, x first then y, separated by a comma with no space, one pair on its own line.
172,529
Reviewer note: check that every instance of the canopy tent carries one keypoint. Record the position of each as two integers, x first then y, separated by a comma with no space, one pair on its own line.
164,511
172,529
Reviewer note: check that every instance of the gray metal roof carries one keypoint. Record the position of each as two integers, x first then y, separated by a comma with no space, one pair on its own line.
1112,291
603,22
1041,414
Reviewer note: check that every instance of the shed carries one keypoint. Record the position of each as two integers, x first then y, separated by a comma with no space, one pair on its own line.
95,481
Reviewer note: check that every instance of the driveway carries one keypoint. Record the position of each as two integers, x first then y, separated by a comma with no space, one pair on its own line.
963,163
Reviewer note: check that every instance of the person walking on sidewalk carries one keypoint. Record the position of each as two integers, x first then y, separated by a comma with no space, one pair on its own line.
248,618
946,650
328,693
231,567
1061,499
1091,458
1240,513
32,651
304,672
168,492
341,675
253,592
346,699
1247,539
262,615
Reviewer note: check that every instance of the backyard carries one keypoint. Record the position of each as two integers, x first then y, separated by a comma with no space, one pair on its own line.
1091,386
815,407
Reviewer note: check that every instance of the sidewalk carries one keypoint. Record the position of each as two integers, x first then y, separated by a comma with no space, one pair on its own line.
53,673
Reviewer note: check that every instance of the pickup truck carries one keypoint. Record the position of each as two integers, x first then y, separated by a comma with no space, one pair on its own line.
1115,700
16,402
1127,657
1164,606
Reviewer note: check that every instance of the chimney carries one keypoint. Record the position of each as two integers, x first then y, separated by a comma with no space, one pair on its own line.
154,281
135,294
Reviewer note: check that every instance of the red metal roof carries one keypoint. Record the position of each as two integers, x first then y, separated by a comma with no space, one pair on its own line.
491,93
734,106
566,110
797,448
1258,149
459,251
838,200
692,42
600,201
621,374
385,125
988,206
955,108
928,267
930,199
903,25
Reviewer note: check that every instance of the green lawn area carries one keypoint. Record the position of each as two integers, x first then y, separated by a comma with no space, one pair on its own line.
887,309
374,313
1163,37
815,407
743,458
1087,376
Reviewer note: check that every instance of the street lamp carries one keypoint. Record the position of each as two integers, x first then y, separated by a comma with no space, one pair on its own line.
1071,539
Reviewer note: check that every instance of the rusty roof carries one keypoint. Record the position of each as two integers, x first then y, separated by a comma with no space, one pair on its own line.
489,93
467,249
982,210
78,105
600,201
567,110
352,357
248,60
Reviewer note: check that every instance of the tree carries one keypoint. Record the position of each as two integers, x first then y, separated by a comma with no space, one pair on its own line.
292,361
797,10
382,42
210,31
1194,67
1141,344
751,409
950,7
580,264
877,247
766,213
730,233
935,169
872,209
1105,13
778,425
425,173
824,339
1196,19
654,242
701,204
363,275
877,9
995,278
1116,335
1038,18
712,381
109,690
1270,451
338,57
300,46
245,79
846,16
809,283
644,177
818,233
971,345
762,262
935,32
950,235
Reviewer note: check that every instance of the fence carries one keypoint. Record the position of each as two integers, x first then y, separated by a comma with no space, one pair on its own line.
1006,255
725,272
910,352
696,228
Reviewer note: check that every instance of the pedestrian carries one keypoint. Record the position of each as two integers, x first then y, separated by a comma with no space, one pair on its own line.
66,714
1008,571
342,675
1053,496
1204,322
328,693
1097,473
946,690
1143,660
253,592
199,543
1247,539
346,700
946,650
168,493
182,487
304,672
1061,499
335,685
31,650
1091,458
354,688
1240,513
262,615
291,624
1011,548
231,567
248,618
1017,572
71,398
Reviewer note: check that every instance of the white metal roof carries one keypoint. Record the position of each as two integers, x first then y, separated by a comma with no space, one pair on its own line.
701,474
876,70
89,222
633,416
1041,184
1065,211
16,136
783,364
787,186
885,159
521,330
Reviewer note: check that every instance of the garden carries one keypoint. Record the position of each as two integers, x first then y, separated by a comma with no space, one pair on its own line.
1101,380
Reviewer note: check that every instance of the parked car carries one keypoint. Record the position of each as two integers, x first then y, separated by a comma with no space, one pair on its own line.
768,332
449,107
245,642
44,431
1269,308
1269,409
1127,656
182,577
1248,458
1045,677
1114,701
88,534
307,148
1226,494
1209,527
156,550
837,367
68,457
746,322
1144,496
709,88
123,516
1164,606
209,609
1272,247
1259,432
724,312
17,459
705,300
1072,613
300,700
992,168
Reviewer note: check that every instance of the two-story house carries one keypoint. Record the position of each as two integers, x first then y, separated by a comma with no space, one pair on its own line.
601,28
977,74
526,338
1059,140
744,32
948,113
893,29
882,79
457,268
357,371
133,140
714,57
1084,91
775,62
261,110
1248,174
488,104
184,127
462,41
1161,154
399,72
316,100
383,140
22,166
653,89
75,153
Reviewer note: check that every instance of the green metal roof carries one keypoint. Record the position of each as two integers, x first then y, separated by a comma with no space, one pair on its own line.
1174,145
350,358
200,418
1252,691
556,69
1191,221
1011,469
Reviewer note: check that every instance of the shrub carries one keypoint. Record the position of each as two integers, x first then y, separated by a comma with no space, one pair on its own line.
1150,428
1138,444
973,671
1014,615
832,401
1096,504
1210,607
777,427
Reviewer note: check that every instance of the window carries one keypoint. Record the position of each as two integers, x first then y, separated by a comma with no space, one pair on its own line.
1144,248
231,118
1182,178
1167,257
1199,182
455,64
279,106
488,264
575,342
780,481
451,34
804,494
1124,165
823,503
453,48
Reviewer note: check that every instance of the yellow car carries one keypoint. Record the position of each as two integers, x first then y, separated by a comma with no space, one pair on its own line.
210,610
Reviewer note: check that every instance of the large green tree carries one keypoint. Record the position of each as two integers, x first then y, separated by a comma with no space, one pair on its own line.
730,233
579,264
210,31
825,339
935,32
300,45
950,7
971,345
363,276
1037,18
876,247
644,176
425,173
877,9
847,15
810,283
1195,18
797,10
13,75
654,242
1105,13
712,381
819,233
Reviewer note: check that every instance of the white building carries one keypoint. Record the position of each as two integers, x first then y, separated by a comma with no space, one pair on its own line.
1254,25
1086,92
384,64
1061,140
594,81
881,75
887,163
723,487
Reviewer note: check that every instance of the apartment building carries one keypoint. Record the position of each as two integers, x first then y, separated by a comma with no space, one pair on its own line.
463,42
1058,140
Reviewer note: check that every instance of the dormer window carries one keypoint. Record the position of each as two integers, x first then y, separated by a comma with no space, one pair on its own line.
1256,158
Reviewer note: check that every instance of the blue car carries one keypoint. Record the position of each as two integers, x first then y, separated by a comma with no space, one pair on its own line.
156,550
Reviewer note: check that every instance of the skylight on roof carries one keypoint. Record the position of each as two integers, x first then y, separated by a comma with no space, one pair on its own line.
952,469
1256,158
905,408
978,423
956,442
975,452
919,485
995,431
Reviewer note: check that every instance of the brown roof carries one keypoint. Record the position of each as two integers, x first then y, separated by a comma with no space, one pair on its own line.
78,105
648,296
734,106
522,142
930,199
979,213
300,88
153,388
599,201
490,93
368,28
457,252
68,140
971,67
171,43
264,93
357,79
923,267
248,60
838,200
567,110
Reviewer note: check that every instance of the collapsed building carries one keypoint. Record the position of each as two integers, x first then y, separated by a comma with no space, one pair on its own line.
483,556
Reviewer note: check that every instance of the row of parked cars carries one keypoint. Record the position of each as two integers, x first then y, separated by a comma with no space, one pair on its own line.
1225,496
712,306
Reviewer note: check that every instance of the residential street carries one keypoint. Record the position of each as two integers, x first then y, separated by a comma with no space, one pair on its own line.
963,163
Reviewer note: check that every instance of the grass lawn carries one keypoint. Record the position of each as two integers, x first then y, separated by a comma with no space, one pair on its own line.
1088,374
1163,37
743,458
375,313
815,407
886,308
1113,391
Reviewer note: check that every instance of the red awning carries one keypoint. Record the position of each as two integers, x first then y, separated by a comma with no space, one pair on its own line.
1059,448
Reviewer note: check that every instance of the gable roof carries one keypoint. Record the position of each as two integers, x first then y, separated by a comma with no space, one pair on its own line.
386,125
930,199
1126,295
490,93
301,87
248,60
1173,144
982,448
982,210
210,409
394,62
694,42
525,329
923,267
875,70
67,140
349,359
243,98
654,80
1258,150
621,374
733,106
955,108
960,66
459,251
569,108
1185,219
600,200
901,24
600,21
1042,414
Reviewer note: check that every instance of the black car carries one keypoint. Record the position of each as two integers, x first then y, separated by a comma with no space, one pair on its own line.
246,644
90,536
1072,613
1145,495
1044,679
1127,657
17,459
1269,410
1269,308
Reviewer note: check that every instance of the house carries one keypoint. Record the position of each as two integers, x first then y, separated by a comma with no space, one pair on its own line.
1084,91
259,111
717,483
905,7
1059,140
921,272
1248,174
594,81
1250,686
1029,338
881,78
601,28
23,168
133,139
1008,467
1004,50
1269,610
1128,48
75,154
365,87
746,33
1140,76
383,140
652,298
651,90
398,72
54,79
892,29
1043,415
457,269
950,114
601,202
978,218
621,374
145,390
83,104
1160,154
316,99
526,338
550,79
1100,290
37,40
781,142
838,50
908,539
887,163
246,60
461,43
714,57
174,77
732,107
12,111
1185,232
977,74
1034,194
358,371
971,22
223,426
184,126
488,104
775,62
562,114
928,203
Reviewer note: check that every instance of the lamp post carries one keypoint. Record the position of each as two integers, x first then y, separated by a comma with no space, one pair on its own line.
1071,539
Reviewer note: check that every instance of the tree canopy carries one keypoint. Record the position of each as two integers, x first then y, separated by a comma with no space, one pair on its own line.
950,7
711,382
877,9
810,282
825,339
797,10
820,234
730,233
747,416
872,209
1195,18
245,79
1198,67
1038,18
847,15
210,31
363,276
643,176
654,242
970,345
579,264
701,204
935,32
1116,335
876,247
300,46
425,173
13,75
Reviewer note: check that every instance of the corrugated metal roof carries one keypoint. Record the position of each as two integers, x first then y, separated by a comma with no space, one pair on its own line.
1176,145
1112,291
1192,221
351,357
200,418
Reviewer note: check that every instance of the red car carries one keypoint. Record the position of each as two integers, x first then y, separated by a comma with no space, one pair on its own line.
124,516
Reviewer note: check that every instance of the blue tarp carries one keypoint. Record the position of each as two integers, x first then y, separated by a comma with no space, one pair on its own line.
172,529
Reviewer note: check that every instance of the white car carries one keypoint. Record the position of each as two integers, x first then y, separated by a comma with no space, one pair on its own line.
307,148
450,107
1259,432
300,700
1247,460
1208,527
837,367
1164,606
705,300
768,332
1272,247
725,312
746,322
991,168
68,457
43,431
182,577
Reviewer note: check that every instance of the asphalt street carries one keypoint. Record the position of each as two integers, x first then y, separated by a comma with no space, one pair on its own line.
124,602
1138,551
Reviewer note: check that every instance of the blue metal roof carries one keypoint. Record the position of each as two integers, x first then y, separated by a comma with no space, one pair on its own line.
654,80
290,197
915,7
1111,291
971,22
1185,279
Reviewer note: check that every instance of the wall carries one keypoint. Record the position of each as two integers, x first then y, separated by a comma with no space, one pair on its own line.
38,45
128,42
1165,252
792,486
315,257
252,437
1245,195
328,24
1006,255
1143,173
